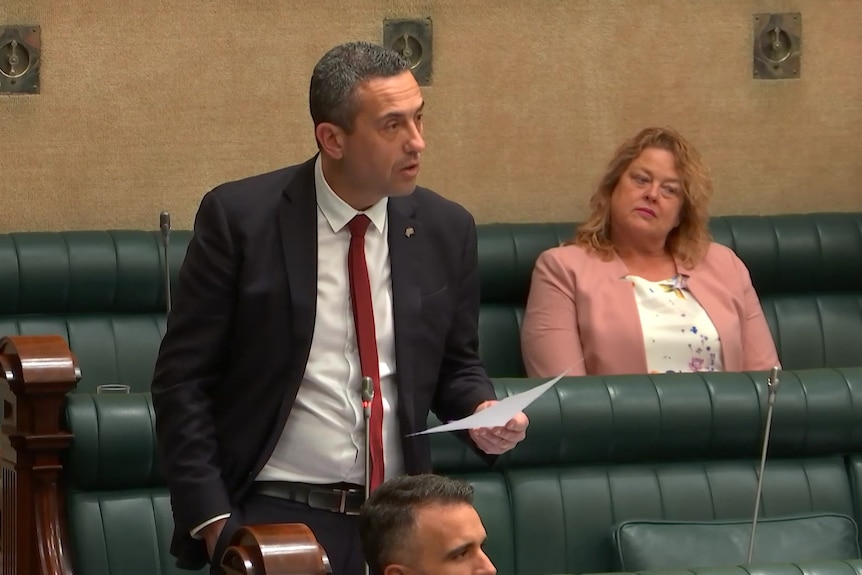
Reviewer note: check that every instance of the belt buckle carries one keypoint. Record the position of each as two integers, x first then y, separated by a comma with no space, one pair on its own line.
342,505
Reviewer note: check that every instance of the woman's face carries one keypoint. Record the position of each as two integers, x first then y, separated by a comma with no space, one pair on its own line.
647,201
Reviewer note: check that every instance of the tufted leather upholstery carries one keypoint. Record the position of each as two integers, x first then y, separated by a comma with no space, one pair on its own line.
104,290
599,451
679,447
850,567
119,511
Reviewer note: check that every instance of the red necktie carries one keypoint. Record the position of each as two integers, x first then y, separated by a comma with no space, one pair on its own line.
366,338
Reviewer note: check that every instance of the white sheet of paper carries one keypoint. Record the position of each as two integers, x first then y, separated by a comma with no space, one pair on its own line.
498,414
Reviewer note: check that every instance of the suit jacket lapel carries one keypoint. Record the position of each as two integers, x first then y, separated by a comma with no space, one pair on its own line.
624,323
298,227
702,288
405,252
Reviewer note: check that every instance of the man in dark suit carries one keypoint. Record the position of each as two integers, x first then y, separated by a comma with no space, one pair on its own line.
297,284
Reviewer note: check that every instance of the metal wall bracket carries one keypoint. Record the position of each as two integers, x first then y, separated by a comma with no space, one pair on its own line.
777,46
411,39
20,51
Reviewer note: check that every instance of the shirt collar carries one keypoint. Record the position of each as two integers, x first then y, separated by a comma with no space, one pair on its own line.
337,212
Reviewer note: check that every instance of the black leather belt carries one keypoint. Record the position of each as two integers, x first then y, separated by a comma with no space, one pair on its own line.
341,498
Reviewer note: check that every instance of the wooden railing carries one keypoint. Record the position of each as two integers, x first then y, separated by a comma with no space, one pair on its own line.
36,373
285,549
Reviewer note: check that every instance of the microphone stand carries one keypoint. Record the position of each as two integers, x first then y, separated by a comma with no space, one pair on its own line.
772,388
165,227
367,398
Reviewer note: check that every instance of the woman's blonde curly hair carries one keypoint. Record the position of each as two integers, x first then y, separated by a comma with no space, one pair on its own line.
689,241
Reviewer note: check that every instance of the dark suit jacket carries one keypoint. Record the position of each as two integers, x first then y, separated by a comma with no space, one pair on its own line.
240,330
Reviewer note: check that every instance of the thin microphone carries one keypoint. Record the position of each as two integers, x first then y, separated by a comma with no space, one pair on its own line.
367,395
772,388
367,398
165,227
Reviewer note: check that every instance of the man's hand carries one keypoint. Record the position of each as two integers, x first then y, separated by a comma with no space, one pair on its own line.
210,534
498,440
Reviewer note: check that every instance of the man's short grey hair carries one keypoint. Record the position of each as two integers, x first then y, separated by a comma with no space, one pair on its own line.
332,95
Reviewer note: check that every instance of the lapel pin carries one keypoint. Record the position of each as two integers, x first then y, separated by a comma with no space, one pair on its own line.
409,232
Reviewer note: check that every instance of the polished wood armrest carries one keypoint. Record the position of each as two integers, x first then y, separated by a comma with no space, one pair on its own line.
36,373
277,549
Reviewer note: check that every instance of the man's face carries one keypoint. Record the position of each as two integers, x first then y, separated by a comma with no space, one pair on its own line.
381,155
447,540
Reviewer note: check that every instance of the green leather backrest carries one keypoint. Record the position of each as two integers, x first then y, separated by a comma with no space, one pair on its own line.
102,291
806,268
114,272
111,348
672,417
507,253
848,567
599,451
119,511
854,465
671,446
563,518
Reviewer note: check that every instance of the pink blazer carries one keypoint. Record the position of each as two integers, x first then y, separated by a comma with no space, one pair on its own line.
582,317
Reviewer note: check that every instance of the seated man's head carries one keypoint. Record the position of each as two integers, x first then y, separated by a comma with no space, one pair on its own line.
423,525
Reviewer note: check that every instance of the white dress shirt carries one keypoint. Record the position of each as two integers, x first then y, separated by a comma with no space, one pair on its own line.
323,440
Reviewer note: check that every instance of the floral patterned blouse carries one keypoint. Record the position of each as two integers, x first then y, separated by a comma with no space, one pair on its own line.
678,334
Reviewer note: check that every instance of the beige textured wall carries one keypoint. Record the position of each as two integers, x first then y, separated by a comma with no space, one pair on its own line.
146,104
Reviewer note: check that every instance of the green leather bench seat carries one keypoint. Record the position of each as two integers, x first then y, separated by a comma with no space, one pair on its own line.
808,270
104,290
677,447
119,511
599,451
849,567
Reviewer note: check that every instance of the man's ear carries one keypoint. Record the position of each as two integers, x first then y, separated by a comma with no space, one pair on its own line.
396,570
331,139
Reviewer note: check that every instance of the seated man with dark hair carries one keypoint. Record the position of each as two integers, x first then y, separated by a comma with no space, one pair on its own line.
423,525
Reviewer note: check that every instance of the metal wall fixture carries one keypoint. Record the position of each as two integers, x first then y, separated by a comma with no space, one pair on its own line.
777,46
20,50
411,39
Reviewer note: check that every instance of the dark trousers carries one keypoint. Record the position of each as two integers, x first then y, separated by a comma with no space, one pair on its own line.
336,532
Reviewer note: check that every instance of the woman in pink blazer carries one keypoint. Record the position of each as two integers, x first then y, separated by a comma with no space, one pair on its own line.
642,288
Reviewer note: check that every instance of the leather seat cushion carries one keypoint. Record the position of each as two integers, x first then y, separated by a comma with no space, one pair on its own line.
649,545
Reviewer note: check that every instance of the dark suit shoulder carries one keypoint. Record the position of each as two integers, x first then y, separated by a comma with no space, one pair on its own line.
246,202
267,188
433,208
